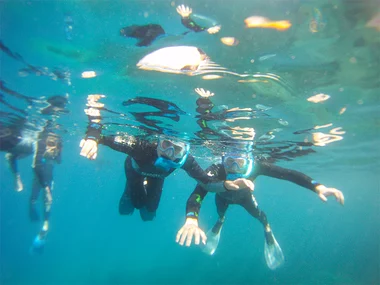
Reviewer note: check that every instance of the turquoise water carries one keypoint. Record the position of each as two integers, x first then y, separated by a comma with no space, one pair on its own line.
90,243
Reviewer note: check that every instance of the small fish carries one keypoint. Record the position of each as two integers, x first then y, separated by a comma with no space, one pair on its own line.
318,98
229,41
211,77
262,22
264,57
262,107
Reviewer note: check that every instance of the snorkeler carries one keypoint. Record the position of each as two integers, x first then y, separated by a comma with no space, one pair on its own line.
147,164
241,164
238,162
48,152
19,138
18,141
146,34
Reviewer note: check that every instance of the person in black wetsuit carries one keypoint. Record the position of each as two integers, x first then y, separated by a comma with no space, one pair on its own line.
46,147
146,34
147,165
48,152
242,164
20,138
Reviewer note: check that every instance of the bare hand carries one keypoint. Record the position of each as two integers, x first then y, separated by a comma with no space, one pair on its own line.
213,30
323,192
92,112
95,97
239,184
89,148
184,11
190,229
203,93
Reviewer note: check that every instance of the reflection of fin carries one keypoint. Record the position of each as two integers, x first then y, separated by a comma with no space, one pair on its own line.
273,253
146,34
212,242
162,105
58,101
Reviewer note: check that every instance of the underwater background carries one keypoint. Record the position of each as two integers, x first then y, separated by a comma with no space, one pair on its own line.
330,48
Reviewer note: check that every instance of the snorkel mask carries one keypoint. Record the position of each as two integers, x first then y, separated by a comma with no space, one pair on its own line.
172,153
237,165
53,146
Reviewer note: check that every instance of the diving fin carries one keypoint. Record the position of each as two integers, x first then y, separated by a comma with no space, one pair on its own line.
38,245
272,250
212,242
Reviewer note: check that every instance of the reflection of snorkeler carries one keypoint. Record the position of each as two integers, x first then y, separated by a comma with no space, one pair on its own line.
189,23
206,115
146,34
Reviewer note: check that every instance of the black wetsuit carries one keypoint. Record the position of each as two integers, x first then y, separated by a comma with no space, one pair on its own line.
145,180
11,135
244,198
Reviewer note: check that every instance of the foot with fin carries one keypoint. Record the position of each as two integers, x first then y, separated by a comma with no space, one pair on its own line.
213,236
40,240
272,250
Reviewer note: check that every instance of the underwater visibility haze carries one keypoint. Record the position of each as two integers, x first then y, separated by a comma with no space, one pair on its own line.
273,89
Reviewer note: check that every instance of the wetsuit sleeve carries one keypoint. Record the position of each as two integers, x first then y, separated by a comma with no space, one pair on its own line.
193,205
94,131
195,200
190,24
194,170
294,176
128,144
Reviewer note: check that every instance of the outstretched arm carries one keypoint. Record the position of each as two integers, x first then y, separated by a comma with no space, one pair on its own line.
299,178
126,143
89,145
191,229
213,179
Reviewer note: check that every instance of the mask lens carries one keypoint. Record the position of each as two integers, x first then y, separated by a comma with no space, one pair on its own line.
241,162
170,149
165,144
235,163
